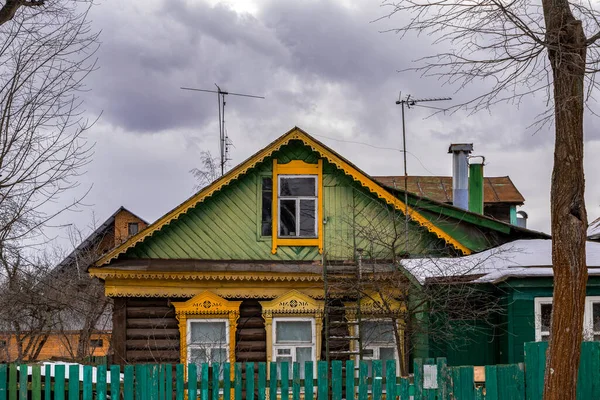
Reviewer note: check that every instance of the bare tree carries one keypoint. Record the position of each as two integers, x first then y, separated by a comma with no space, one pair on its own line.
208,172
512,50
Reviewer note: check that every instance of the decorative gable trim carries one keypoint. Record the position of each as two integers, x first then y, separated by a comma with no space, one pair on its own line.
325,152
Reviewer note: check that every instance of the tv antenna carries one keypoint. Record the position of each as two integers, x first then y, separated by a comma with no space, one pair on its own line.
224,141
409,102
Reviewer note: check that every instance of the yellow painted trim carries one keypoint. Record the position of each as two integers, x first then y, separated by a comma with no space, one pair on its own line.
241,169
206,305
297,167
293,304
257,276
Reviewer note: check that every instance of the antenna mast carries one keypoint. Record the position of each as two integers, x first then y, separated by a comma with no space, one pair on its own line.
224,141
410,102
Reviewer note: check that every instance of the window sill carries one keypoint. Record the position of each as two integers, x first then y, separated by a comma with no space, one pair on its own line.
298,242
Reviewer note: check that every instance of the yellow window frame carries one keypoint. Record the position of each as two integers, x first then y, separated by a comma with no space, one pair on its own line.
297,167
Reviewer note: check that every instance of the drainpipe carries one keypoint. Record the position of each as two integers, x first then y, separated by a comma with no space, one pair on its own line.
476,184
460,174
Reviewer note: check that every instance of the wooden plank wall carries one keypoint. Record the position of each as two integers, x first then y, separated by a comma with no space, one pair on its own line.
251,337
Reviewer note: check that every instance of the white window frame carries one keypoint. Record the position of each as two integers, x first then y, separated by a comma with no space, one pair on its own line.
297,198
206,346
377,345
538,301
292,345
588,325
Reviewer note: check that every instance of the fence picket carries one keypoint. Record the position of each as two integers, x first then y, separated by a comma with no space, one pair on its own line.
296,381
115,382
273,381
73,382
204,384
179,382
322,380
377,380
418,378
59,382
403,389
285,380
216,375
443,379
465,390
309,391
227,381
336,380
350,389
153,374
491,383
36,382
535,359
47,383
3,375
101,382
128,382
193,382
23,382
161,381
237,380
363,376
390,380
12,382
588,385
262,381
249,381
87,382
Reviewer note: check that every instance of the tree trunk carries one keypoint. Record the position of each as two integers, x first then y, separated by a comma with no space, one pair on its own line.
567,53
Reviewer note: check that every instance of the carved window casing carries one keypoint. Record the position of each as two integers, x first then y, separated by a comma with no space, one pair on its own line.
208,307
296,308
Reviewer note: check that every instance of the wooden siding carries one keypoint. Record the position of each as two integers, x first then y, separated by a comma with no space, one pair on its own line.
225,226
56,345
251,337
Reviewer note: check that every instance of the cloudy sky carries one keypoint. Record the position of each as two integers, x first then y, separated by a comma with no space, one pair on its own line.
322,65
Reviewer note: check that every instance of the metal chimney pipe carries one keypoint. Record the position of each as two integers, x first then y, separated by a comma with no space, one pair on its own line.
460,174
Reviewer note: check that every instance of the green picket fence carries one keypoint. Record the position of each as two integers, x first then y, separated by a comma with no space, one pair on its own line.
433,380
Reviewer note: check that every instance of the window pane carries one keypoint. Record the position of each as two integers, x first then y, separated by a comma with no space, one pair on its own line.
267,199
386,353
287,218
198,356
546,316
596,316
208,332
293,331
280,360
308,213
297,186
377,332
132,228
368,353
219,355
303,354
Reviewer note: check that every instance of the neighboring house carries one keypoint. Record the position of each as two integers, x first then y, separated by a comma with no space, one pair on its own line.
593,232
236,272
519,275
80,324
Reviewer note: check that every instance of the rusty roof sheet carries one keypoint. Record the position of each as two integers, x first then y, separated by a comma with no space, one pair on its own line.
496,189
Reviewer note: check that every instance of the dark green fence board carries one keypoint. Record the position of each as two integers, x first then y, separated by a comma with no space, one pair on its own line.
309,391
115,382
296,381
204,387
36,382
588,381
227,381
262,381
237,379
390,379
128,382
535,359
443,379
87,382
377,380
322,380
12,382
101,382
491,383
363,376
192,382
418,378
273,381
139,382
350,387
249,381
216,371
403,389
336,380
510,380
73,382
3,376
23,382
179,387
47,383
154,375
59,382
463,385
429,394
285,380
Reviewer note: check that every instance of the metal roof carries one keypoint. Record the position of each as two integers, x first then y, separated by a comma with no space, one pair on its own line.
496,189
593,231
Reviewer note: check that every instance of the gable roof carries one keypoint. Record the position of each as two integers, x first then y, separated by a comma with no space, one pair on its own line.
496,189
98,233
593,232
294,134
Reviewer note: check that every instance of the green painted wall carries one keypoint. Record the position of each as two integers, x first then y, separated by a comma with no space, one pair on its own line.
226,225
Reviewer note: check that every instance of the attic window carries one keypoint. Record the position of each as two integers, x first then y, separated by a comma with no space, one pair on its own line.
267,202
132,228
297,206
96,343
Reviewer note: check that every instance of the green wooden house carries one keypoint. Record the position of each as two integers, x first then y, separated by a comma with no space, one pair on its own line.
518,275
244,270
